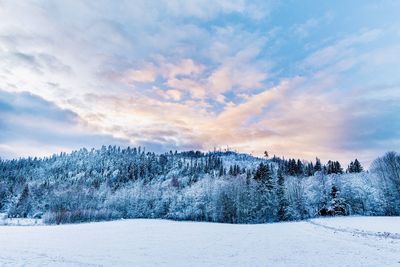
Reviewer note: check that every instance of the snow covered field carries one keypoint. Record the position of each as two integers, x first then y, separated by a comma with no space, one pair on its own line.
350,241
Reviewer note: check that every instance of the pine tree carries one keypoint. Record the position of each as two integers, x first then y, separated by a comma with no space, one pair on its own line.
221,170
248,176
337,205
334,167
299,167
355,167
231,172
264,177
318,165
350,168
22,207
337,168
292,167
283,204
310,169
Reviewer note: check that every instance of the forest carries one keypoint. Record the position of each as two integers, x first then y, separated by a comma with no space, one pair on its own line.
218,186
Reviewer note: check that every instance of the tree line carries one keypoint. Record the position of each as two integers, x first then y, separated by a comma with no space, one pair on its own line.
113,183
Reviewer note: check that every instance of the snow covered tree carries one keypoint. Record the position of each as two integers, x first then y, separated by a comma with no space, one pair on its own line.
22,206
333,167
281,195
336,206
354,167
388,170
318,165
113,182
263,176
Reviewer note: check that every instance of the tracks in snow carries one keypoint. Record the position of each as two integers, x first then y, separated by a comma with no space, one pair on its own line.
353,231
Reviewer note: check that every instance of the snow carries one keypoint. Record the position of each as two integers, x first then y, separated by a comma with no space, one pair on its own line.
145,242
389,226
4,220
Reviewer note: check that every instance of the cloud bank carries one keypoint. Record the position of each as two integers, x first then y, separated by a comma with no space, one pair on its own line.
251,75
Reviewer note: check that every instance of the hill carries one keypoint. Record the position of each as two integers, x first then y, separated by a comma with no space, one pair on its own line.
114,183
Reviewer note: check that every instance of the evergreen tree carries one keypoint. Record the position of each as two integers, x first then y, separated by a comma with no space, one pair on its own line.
318,165
264,177
22,207
310,169
231,172
299,167
248,176
338,169
334,167
350,168
357,166
283,204
221,170
354,167
292,168
337,206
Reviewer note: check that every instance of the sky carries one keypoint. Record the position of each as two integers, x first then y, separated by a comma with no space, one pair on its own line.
296,78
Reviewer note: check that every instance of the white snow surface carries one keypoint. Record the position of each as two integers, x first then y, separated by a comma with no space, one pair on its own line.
389,226
19,221
145,242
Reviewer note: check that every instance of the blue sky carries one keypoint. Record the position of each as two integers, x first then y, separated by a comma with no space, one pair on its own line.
297,78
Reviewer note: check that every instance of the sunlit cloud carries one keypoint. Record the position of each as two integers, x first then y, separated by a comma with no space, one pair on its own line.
145,75
200,74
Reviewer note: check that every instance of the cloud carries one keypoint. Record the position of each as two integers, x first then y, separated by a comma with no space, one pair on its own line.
200,74
140,75
341,49
209,9
185,67
304,30
32,126
238,115
174,94
196,89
